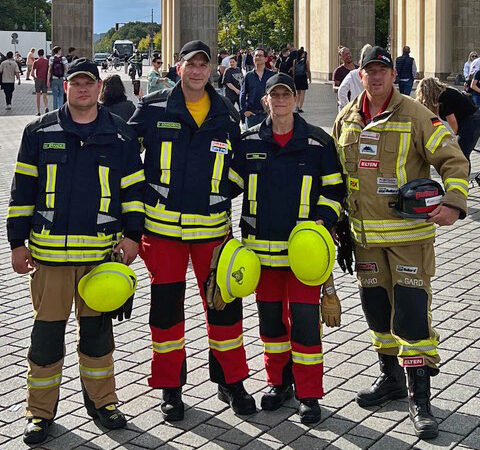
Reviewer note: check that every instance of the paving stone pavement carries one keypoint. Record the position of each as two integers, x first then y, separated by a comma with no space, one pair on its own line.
350,363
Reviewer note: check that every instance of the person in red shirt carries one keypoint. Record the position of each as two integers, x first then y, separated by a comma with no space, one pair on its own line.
39,73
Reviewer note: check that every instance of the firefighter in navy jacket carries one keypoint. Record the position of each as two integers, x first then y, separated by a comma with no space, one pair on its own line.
289,172
77,192
189,134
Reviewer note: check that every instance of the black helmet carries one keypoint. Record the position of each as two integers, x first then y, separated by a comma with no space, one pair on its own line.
419,197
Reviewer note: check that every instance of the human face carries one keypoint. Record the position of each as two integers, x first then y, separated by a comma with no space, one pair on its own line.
346,56
82,91
377,79
195,72
157,64
233,63
259,57
280,101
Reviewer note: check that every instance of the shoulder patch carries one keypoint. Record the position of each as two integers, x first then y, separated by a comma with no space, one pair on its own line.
318,136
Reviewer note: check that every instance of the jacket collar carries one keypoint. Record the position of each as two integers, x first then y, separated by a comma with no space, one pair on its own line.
104,121
299,138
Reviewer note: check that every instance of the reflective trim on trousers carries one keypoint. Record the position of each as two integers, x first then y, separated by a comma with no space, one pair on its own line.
277,347
44,383
307,359
223,346
96,373
168,346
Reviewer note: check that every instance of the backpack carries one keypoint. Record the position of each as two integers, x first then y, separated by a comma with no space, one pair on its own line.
57,67
301,67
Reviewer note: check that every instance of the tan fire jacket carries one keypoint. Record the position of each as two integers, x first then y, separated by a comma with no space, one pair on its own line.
398,146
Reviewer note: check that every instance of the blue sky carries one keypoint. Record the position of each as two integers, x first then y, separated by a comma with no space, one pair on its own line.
109,12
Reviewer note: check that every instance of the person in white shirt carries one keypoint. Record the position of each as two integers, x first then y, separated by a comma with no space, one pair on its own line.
468,63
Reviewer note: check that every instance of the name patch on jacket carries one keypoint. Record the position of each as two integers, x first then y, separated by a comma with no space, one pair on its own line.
407,269
256,156
171,125
368,164
370,135
389,181
368,149
219,147
369,267
387,190
54,145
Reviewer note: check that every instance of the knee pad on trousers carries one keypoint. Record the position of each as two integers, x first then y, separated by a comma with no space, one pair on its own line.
377,308
166,309
271,319
230,315
410,319
305,323
48,342
96,336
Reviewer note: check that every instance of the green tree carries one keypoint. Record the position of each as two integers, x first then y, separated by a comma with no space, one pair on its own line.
382,20
33,15
144,44
133,31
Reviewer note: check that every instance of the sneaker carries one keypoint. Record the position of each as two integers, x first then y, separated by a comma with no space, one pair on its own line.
36,430
46,110
8,107
38,114
172,406
276,397
109,416
309,411
237,397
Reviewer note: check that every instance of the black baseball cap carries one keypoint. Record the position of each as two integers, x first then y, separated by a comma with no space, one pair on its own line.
83,66
190,49
281,79
379,55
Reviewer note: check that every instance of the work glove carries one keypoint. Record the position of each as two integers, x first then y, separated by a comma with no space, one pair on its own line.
212,291
345,246
125,311
330,304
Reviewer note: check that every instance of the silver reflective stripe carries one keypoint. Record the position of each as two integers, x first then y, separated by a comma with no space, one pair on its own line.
92,372
104,218
227,344
277,347
158,104
42,383
214,199
417,347
383,340
214,232
55,127
68,256
47,214
252,221
229,270
160,189
297,357
168,346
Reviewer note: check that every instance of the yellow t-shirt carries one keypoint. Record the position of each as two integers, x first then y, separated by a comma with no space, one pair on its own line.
199,108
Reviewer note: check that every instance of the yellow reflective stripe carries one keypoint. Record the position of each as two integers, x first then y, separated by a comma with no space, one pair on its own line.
351,127
217,172
50,185
457,183
168,346
436,137
324,201
133,206
133,178
265,246
389,225
403,127
277,347
161,228
252,192
72,240
26,169
103,173
332,179
421,347
83,255
236,178
44,383
96,373
224,346
20,211
208,221
307,359
273,260
403,148
229,144
304,209
383,340
160,213
186,233
165,162
405,236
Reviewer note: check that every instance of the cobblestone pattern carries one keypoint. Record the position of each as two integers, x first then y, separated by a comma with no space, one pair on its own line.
350,364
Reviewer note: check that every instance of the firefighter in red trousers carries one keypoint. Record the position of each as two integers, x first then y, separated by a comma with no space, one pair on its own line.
189,135
289,172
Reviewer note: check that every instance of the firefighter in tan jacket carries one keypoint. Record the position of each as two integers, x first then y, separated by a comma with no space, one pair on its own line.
385,140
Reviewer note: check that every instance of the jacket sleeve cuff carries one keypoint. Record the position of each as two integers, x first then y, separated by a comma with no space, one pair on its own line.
455,201
133,235
17,243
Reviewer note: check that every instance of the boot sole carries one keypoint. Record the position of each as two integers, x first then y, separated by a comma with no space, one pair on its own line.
424,434
95,415
395,395
172,417
224,398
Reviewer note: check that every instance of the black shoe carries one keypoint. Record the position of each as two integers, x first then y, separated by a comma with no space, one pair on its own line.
419,408
309,410
46,110
276,397
389,385
109,416
300,110
36,430
237,397
38,114
172,406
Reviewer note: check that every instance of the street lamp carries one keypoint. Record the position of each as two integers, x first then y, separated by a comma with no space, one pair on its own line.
241,27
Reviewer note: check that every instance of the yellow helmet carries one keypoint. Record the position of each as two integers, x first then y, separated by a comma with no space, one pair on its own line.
311,253
238,271
108,286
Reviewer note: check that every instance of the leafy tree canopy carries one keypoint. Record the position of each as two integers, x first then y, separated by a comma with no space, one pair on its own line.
133,31
27,15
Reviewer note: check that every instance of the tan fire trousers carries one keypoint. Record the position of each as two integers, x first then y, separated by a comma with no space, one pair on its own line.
53,289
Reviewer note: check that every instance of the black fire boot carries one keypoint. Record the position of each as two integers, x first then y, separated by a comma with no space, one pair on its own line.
389,385
36,430
309,411
425,425
172,406
276,397
237,397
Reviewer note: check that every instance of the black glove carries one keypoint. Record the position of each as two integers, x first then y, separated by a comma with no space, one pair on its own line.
124,311
345,246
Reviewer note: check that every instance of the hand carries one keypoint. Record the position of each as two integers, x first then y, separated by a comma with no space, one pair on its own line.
345,246
444,215
22,261
128,249
248,113
319,222
330,307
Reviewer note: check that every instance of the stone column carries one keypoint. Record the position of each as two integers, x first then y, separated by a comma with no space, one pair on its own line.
72,26
170,31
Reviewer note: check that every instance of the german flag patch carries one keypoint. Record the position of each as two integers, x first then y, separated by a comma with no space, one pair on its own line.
436,122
